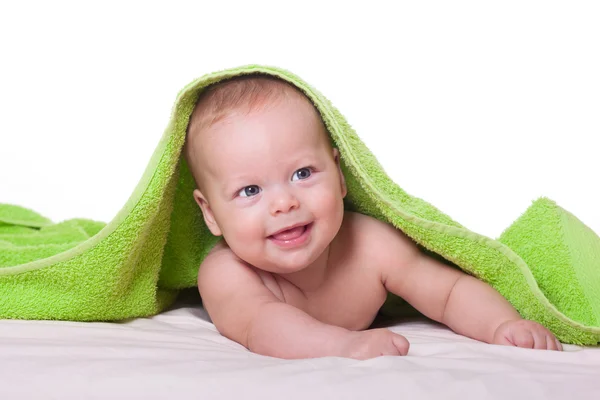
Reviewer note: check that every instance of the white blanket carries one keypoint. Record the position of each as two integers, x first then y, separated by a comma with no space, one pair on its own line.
179,354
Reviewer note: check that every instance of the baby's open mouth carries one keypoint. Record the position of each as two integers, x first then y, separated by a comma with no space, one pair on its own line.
290,234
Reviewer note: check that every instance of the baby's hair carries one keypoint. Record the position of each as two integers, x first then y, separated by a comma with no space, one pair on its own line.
245,93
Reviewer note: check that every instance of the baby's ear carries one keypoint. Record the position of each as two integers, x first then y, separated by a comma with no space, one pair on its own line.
209,217
336,157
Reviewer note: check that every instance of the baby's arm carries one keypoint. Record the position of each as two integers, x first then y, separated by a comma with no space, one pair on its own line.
465,304
246,311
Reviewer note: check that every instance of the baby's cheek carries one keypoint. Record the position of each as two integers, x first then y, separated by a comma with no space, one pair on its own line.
245,236
327,204
244,226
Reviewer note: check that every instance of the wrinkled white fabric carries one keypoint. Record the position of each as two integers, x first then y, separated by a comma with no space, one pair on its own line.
179,354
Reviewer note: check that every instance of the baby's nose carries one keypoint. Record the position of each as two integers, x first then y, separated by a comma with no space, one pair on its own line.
283,201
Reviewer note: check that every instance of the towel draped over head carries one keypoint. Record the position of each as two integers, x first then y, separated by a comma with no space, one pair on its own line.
547,263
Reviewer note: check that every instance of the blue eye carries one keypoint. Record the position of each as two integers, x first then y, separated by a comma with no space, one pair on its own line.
302,173
249,191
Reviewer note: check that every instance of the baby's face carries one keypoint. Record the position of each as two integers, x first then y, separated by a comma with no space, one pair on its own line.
268,171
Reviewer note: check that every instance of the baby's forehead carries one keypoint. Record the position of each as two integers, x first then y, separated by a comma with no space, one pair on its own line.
239,99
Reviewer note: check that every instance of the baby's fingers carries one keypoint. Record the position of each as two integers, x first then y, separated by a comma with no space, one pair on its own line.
544,340
526,334
553,343
559,346
401,344
527,340
541,340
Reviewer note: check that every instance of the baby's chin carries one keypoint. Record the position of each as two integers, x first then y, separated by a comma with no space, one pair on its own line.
282,265
291,263
287,262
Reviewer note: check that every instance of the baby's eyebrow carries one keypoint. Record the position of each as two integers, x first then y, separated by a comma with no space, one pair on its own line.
237,182
304,158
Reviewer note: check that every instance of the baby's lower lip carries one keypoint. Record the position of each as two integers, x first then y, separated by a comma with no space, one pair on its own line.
293,242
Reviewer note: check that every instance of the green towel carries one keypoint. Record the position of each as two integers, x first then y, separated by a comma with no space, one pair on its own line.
547,263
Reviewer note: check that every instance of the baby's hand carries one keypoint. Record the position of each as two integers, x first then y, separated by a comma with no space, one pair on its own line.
527,334
373,343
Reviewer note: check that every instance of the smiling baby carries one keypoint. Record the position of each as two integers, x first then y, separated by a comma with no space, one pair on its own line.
295,275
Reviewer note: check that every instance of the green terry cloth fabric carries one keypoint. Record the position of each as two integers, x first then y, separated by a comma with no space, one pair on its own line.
547,263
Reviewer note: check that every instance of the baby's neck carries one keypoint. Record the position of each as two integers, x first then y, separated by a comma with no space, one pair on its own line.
311,278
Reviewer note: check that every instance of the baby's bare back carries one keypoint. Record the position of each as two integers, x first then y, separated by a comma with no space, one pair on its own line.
352,290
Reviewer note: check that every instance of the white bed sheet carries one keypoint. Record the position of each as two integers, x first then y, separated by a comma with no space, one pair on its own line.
179,354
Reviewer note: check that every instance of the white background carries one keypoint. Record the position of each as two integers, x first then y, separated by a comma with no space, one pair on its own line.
478,108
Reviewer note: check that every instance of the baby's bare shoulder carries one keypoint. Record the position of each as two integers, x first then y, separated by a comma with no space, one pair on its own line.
366,227
222,273
375,239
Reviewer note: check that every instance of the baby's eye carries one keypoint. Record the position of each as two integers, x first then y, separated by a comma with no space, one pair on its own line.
302,173
249,191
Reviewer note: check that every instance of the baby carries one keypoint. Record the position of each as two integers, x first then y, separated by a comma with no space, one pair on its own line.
295,275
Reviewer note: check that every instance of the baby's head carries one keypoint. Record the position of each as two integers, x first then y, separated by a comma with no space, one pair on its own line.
262,161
